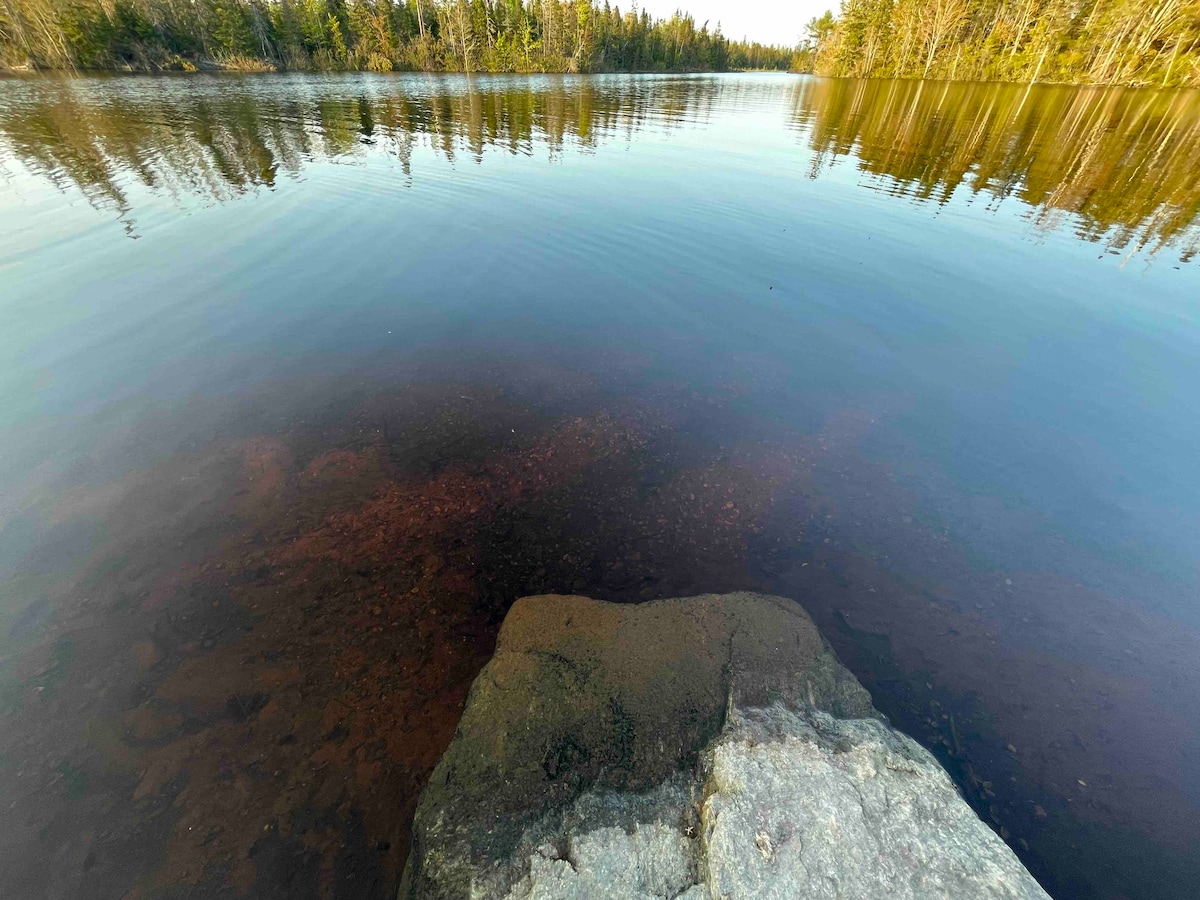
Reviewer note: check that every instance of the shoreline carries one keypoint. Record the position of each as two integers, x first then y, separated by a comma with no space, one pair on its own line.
269,69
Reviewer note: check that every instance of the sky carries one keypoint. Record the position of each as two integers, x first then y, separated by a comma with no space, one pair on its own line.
767,21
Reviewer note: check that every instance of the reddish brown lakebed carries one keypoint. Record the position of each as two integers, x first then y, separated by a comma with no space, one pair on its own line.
246,678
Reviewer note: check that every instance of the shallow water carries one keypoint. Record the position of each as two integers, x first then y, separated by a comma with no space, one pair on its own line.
307,378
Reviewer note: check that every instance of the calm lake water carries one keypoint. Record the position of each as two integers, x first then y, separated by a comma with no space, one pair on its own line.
304,379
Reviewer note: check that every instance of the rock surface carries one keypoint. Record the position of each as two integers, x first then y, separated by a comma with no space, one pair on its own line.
699,747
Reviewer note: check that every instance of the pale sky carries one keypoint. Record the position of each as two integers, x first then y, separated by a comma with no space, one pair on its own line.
767,21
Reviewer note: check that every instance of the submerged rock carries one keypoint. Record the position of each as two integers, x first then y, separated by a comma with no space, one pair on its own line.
699,747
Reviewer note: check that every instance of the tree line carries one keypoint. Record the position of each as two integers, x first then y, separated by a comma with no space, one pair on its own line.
376,35
1130,42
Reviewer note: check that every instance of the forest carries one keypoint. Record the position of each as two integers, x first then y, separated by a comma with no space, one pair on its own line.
375,35
1128,42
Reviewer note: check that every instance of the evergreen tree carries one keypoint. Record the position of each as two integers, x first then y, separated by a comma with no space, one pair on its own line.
1096,41
380,35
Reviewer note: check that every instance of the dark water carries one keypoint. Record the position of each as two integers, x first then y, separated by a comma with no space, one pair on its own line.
305,379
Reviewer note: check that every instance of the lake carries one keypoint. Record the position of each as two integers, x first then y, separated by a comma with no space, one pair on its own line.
306,378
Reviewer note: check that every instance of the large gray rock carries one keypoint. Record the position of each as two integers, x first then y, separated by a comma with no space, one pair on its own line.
702,747
808,805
